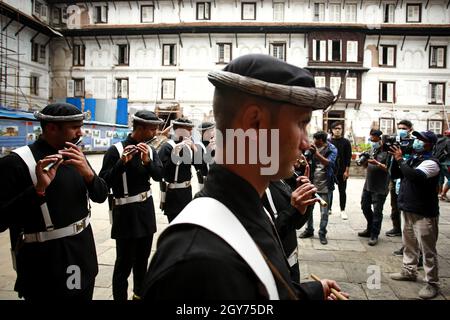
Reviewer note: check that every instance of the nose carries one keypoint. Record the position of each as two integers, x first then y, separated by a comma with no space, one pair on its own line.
304,142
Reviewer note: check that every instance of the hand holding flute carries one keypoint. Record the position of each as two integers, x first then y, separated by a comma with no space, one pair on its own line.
331,289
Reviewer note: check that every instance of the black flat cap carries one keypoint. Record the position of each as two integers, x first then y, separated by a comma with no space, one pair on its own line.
183,122
146,117
272,78
59,112
375,132
206,125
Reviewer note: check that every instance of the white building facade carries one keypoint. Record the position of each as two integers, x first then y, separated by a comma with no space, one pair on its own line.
158,53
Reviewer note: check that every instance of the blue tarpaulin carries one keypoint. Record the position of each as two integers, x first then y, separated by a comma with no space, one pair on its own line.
89,105
75,101
122,111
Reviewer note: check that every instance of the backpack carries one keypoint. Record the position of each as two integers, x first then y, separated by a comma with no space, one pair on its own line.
441,150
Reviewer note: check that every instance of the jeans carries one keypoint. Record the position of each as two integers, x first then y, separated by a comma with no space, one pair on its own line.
395,211
324,211
374,217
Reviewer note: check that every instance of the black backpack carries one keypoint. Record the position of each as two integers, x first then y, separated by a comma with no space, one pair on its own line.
441,150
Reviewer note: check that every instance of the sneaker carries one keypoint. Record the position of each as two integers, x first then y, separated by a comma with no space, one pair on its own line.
403,276
394,233
364,234
329,212
344,216
323,240
429,291
306,234
373,241
398,253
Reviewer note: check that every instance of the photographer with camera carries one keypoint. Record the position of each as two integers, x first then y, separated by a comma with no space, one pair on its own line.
323,162
419,202
375,187
404,129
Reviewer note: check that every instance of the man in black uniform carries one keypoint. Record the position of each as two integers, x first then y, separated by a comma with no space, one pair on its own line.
55,253
193,262
127,168
177,156
280,201
207,145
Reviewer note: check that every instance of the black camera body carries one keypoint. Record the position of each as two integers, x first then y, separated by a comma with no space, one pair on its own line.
363,158
405,144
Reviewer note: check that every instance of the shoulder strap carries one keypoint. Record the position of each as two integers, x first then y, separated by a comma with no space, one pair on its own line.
171,143
27,156
214,216
119,147
271,203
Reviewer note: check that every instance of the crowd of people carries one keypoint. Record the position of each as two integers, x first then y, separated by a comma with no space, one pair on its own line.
237,239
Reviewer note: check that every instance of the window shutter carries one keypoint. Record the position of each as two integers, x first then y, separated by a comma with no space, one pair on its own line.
352,49
124,84
380,55
278,11
440,57
104,10
166,55
330,50
350,88
335,83
227,53
439,93
323,50
314,50
70,88
126,58
390,55
390,92
430,93
320,81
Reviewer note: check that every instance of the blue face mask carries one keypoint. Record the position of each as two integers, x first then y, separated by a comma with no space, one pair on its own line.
418,145
375,145
402,133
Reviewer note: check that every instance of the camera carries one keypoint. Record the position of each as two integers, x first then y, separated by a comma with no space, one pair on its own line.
405,144
363,158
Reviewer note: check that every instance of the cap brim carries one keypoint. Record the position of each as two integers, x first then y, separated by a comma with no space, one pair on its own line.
206,128
183,124
146,121
74,117
311,98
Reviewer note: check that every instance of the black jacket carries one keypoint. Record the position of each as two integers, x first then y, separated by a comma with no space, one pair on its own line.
418,194
42,267
191,263
133,220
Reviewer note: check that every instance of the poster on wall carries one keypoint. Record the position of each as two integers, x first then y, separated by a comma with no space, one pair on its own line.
87,132
96,133
9,131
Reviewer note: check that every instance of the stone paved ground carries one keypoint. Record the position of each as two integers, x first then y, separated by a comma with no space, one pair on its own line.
346,258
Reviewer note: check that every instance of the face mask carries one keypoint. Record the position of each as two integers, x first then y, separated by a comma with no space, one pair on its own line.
375,145
418,145
402,133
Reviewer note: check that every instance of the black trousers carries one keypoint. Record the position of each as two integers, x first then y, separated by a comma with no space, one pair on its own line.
131,254
342,187
176,200
47,294
374,217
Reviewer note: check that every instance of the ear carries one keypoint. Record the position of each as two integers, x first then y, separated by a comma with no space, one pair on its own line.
255,117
